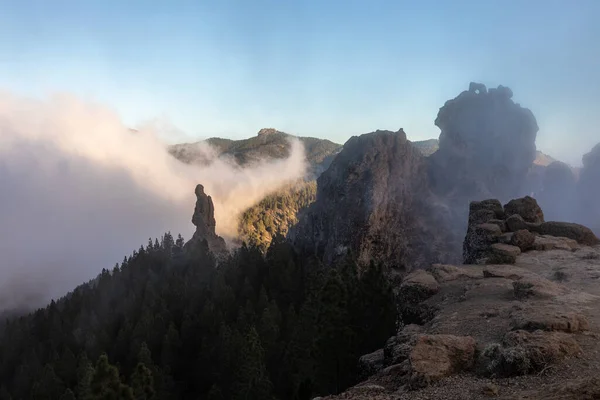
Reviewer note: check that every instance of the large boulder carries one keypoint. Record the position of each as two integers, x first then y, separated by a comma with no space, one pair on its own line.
434,357
527,207
374,203
582,234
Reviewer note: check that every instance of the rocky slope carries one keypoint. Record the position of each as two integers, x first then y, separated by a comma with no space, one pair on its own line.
374,202
527,330
267,144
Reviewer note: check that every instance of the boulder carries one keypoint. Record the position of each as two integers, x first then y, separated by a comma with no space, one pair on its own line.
523,239
527,207
371,363
582,234
436,356
503,254
492,205
549,318
546,242
418,286
536,286
516,223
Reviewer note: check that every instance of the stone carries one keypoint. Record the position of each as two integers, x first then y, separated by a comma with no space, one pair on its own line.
516,223
370,364
527,207
506,238
492,205
536,286
549,318
437,356
420,285
504,254
546,242
582,234
523,239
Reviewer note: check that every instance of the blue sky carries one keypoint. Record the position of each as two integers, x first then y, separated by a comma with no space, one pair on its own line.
325,68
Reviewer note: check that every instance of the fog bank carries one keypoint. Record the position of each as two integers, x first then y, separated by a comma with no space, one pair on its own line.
79,190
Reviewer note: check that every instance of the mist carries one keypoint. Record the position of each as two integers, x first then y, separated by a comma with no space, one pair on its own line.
79,191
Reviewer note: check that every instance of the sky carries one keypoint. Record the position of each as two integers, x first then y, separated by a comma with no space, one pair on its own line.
324,68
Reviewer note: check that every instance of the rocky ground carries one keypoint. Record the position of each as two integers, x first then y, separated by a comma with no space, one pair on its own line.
526,330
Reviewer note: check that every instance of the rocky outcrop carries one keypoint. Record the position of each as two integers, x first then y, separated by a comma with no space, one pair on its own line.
487,145
204,220
374,202
497,235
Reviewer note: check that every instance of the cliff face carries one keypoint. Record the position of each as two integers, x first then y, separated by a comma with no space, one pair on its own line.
374,202
204,220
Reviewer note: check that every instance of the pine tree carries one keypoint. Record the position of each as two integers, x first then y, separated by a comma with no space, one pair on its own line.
106,383
252,380
85,373
142,383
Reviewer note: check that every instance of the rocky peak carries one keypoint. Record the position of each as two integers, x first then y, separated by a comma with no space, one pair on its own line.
204,220
374,203
267,131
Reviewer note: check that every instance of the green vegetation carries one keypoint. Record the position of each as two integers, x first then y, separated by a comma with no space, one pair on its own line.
168,324
275,214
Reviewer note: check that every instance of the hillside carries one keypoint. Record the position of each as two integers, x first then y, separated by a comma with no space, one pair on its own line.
275,214
267,144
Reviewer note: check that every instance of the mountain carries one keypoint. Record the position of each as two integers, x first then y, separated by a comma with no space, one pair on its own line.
267,144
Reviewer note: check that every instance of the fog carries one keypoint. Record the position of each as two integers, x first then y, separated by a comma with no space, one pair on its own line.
79,191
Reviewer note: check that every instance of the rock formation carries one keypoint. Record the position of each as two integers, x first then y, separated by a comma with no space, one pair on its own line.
487,145
588,189
374,202
204,220
499,235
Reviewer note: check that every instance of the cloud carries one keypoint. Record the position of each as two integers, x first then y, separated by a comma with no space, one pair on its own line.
79,190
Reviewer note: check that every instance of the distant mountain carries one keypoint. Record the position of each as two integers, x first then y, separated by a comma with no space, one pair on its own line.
267,144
